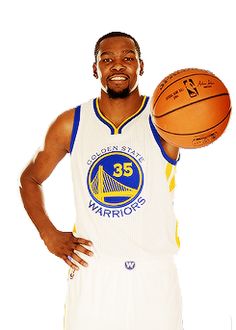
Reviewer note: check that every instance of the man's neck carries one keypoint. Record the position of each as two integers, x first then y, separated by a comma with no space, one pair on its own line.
118,110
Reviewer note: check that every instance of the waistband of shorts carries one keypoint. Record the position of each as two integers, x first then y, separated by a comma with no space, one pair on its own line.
132,261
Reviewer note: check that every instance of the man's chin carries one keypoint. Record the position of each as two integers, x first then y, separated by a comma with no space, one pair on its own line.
118,95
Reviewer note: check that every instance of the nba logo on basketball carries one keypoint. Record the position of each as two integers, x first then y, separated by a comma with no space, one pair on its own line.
129,265
191,88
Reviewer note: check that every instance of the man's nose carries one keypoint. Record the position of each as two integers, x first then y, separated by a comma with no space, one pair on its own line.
118,66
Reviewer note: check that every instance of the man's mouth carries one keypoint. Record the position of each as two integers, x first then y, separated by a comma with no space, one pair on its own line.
118,78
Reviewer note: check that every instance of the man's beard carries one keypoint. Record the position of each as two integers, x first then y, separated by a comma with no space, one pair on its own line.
118,95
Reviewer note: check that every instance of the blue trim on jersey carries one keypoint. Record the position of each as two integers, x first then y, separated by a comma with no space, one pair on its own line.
100,118
138,113
75,127
158,140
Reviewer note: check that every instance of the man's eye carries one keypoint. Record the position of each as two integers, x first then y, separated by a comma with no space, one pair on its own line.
107,60
128,59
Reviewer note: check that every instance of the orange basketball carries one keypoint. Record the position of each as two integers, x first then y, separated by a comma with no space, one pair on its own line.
191,108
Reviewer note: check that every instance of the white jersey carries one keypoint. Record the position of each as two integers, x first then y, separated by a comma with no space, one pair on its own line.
123,182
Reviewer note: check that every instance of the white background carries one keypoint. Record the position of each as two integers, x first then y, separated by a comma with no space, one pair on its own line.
46,60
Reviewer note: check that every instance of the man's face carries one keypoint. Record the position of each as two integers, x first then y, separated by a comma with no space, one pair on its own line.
118,66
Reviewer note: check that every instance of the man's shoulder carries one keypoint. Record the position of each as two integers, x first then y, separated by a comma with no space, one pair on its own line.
65,120
59,132
65,115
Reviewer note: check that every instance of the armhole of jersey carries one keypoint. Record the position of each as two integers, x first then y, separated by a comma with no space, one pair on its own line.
158,141
75,127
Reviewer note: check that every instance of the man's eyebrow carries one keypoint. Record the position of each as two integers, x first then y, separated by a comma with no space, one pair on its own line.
126,51
129,51
107,53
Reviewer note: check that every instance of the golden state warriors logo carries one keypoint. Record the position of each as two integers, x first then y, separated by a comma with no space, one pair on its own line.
115,180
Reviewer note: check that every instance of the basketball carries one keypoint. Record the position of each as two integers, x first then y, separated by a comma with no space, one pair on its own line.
191,108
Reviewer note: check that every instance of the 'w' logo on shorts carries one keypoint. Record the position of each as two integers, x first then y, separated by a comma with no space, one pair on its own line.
130,265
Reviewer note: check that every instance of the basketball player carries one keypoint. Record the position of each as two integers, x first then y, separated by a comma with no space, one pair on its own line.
122,275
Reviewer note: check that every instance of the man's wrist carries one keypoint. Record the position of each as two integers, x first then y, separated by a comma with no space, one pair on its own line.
47,231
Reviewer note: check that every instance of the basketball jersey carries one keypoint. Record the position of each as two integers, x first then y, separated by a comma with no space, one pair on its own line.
123,183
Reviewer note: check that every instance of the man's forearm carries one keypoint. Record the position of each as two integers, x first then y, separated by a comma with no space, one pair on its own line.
32,197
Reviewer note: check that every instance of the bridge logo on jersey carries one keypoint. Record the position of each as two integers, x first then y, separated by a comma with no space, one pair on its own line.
115,180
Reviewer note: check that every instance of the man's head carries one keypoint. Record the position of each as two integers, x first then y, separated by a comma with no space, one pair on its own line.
117,64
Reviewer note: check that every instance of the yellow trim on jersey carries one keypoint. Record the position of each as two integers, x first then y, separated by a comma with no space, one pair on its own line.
170,176
177,234
74,229
116,129
168,170
172,184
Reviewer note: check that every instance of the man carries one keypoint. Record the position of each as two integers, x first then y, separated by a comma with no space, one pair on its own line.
123,175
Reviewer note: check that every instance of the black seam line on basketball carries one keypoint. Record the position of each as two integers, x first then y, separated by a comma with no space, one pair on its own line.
189,75
196,132
186,105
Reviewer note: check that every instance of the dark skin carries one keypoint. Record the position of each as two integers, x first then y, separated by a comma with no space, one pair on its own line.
118,67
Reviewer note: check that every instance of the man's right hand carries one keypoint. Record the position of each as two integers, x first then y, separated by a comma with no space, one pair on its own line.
64,245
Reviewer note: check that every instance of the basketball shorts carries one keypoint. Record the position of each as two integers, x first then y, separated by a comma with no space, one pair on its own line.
113,294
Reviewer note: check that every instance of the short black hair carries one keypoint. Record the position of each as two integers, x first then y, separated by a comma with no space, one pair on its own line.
115,34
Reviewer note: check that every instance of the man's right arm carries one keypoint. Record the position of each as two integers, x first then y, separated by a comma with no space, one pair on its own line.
56,146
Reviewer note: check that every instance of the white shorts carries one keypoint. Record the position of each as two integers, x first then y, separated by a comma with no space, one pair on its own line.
124,295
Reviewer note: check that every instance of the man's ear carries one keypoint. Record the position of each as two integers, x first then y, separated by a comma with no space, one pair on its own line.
141,68
95,74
